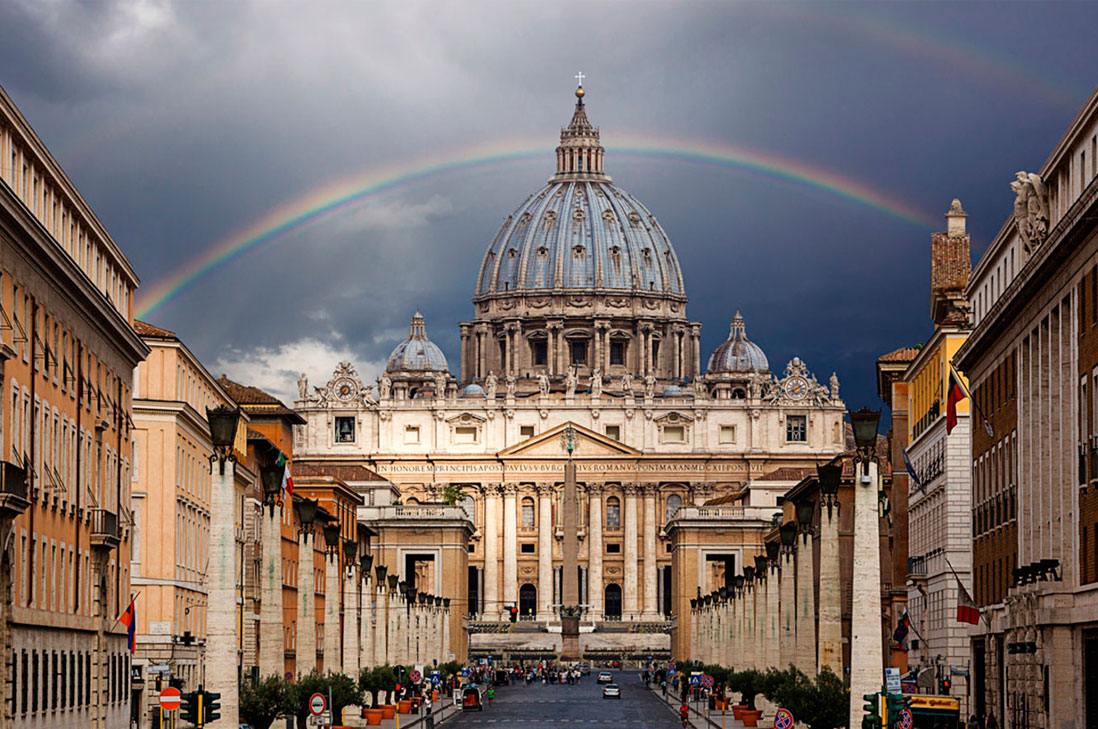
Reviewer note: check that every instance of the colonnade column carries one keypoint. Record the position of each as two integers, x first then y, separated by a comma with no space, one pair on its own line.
305,660
510,544
866,643
545,550
366,610
272,639
381,617
490,605
831,630
761,614
331,610
806,609
773,606
594,551
788,600
747,642
651,504
629,552
351,615
221,630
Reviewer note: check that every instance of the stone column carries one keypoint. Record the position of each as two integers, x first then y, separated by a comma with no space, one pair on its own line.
394,653
351,615
788,600
806,608
366,610
221,627
466,355
651,504
866,649
696,336
545,550
831,627
491,607
747,639
332,661
446,632
594,550
272,640
596,353
510,545
735,646
773,607
761,620
629,552
306,604
381,621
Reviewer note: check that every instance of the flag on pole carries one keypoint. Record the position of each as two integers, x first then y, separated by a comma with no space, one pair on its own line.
911,472
902,628
129,619
287,477
954,395
967,612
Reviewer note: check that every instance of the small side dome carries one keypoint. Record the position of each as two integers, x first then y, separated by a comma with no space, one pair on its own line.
417,353
672,391
473,390
737,354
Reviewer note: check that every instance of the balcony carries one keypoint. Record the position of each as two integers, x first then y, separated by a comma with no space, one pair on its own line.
916,567
13,490
104,529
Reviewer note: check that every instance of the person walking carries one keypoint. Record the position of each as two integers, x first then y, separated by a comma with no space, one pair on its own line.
490,694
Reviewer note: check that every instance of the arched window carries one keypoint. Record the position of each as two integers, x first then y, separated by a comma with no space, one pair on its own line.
470,506
613,512
674,502
739,394
528,512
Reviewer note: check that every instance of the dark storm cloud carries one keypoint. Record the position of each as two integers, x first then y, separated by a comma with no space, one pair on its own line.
183,123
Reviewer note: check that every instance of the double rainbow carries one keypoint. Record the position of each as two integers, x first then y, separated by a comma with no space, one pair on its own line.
329,200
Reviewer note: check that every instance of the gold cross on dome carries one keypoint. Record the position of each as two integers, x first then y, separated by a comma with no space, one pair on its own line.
579,77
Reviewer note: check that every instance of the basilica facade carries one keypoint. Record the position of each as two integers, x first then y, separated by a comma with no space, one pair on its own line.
579,326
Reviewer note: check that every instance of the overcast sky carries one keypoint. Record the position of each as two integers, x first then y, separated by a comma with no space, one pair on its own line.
184,123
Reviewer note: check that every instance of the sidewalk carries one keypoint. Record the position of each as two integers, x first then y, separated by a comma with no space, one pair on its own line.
698,719
441,712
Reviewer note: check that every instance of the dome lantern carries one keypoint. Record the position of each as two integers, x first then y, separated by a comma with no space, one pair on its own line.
580,154
737,354
417,353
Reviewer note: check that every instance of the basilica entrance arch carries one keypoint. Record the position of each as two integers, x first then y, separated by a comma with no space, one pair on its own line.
528,600
613,602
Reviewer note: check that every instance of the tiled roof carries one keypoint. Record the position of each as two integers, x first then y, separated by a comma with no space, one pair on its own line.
903,354
343,471
787,474
256,401
145,329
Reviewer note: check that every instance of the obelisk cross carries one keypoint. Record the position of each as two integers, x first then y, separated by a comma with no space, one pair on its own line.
579,77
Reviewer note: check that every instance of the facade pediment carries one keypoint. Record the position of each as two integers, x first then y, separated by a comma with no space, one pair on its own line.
587,444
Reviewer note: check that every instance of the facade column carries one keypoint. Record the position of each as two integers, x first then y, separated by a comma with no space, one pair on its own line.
629,552
545,550
696,336
866,643
510,545
490,604
465,353
788,600
305,661
351,616
806,608
831,627
332,646
272,639
594,551
596,354
221,630
551,348
651,504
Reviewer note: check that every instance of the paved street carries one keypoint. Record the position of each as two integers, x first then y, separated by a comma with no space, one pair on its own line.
538,705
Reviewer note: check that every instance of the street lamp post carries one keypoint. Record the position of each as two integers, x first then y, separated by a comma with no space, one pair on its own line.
221,628
866,643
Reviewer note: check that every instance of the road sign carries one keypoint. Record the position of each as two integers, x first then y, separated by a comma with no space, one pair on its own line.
465,673
160,668
415,676
324,719
906,719
317,704
170,698
892,680
783,719
436,677
707,681
695,679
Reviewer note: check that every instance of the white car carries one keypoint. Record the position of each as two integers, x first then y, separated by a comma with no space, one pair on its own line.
605,677
611,691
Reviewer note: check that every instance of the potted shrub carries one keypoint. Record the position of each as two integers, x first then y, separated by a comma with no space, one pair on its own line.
384,682
368,684
748,684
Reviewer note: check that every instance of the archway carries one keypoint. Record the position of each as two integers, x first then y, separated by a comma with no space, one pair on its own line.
612,602
528,600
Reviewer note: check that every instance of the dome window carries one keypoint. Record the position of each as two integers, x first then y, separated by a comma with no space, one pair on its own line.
634,220
539,352
739,394
550,218
511,253
617,351
578,350
579,215
608,217
577,251
524,219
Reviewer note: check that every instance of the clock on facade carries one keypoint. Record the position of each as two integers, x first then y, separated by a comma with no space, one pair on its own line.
345,390
796,387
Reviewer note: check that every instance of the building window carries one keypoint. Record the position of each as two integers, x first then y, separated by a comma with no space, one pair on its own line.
526,431
796,429
465,434
345,430
411,435
674,503
613,431
470,505
527,547
673,434
617,352
728,434
613,548
613,512
539,351
528,512
579,351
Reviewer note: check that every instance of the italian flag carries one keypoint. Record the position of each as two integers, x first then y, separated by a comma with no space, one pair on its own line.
287,477
954,395
967,612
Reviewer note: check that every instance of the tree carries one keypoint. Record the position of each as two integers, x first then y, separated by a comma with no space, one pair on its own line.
374,681
820,704
342,689
748,684
261,702
831,701
452,493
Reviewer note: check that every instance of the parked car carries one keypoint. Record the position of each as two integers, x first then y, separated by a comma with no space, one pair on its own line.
611,691
585,669
605,677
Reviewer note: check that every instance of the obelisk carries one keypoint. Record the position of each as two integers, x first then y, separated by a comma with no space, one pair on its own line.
570,608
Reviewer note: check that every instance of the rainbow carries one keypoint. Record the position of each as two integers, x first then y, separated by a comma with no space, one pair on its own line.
326,201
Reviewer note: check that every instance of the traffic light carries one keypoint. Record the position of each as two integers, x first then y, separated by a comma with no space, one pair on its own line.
211,707
188,708
944,685
872,708
158,682
895,703
513,612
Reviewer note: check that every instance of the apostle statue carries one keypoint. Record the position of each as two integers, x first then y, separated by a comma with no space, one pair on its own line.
302,387
510,382
834,382
596,384
570,380
385,387
1031,213
490,384
649,385
440,385
543,384
627,384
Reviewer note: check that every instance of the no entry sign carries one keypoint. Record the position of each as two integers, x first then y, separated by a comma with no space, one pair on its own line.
317,704
170,699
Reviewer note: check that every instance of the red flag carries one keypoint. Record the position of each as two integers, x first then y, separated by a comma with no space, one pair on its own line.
967,612
129,619
955,394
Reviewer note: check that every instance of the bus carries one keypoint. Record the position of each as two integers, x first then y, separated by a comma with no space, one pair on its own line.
935,712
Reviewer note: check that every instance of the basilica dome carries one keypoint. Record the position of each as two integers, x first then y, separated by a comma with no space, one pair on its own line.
580,232
737,354
417,353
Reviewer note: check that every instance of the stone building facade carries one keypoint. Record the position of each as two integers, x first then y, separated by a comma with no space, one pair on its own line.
67,356
579,320
1031,364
